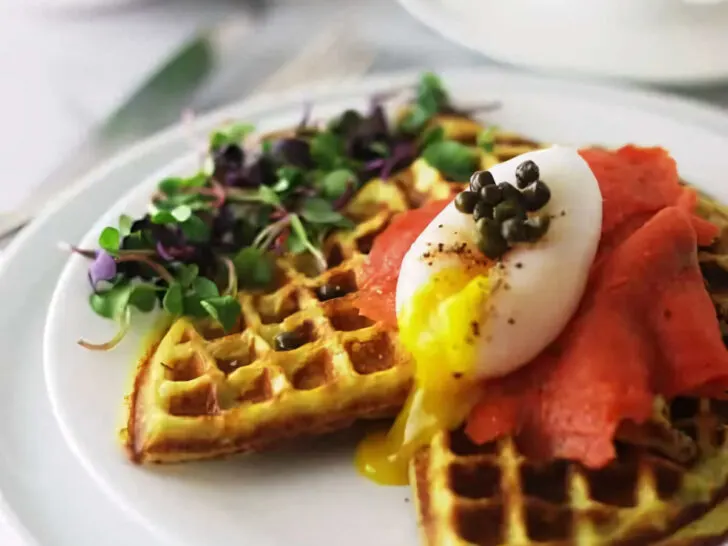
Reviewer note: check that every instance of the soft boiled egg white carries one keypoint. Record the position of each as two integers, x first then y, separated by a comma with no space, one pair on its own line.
465,318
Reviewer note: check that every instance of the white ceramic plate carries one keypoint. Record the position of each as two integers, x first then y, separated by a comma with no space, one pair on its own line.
675,42
64,489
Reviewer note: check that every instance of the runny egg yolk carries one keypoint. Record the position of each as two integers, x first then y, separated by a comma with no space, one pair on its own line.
438,326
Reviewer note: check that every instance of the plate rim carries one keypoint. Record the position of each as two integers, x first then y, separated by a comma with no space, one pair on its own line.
434,16
709,117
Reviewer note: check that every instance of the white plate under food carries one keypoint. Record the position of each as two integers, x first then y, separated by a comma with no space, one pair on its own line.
70,484
677,42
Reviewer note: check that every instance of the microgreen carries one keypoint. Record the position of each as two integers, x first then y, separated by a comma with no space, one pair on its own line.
103,268
486,139
220,229
195,229
173,301
327,150
319,211
224,309
453,159
431,99
300,233
253,266
233,133
335,183
431,135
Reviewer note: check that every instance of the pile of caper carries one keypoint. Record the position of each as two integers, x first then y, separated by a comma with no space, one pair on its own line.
501,211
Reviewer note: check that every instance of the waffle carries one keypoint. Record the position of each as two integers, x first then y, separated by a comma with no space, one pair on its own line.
199,393
491,495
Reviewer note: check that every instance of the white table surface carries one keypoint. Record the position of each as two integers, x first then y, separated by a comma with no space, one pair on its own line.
71,69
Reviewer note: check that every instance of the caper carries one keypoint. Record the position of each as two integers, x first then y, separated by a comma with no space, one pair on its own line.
480,180
536,227
482,210
526,173
536,196
514,230
491,195
330,291
465,201
287,341
509,192
508,209
489,239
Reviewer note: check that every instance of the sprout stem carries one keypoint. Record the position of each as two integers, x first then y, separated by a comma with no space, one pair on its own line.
124,324
138,257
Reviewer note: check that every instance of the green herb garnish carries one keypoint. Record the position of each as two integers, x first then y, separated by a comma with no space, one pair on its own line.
454,160
220,229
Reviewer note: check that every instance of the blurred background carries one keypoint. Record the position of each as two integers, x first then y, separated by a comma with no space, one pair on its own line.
81,79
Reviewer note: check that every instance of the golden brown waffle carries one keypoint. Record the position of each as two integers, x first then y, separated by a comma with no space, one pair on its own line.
201,394
490,495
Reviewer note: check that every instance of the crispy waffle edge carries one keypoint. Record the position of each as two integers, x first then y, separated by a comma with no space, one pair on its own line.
261,439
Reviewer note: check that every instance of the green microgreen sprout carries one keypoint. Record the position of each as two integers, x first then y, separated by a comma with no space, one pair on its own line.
221,229
486,139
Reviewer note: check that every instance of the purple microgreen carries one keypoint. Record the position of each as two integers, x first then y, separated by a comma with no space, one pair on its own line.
375,165
403,154
163,252
103,268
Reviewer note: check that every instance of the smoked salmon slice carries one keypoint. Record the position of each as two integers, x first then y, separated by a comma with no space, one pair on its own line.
645,327
377,295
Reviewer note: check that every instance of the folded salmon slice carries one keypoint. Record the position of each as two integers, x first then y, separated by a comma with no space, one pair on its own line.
376,298
646,325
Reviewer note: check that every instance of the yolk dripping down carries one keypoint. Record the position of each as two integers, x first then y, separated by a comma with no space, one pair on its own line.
438,326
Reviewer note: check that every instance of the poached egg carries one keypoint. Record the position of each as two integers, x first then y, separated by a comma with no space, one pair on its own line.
466,319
